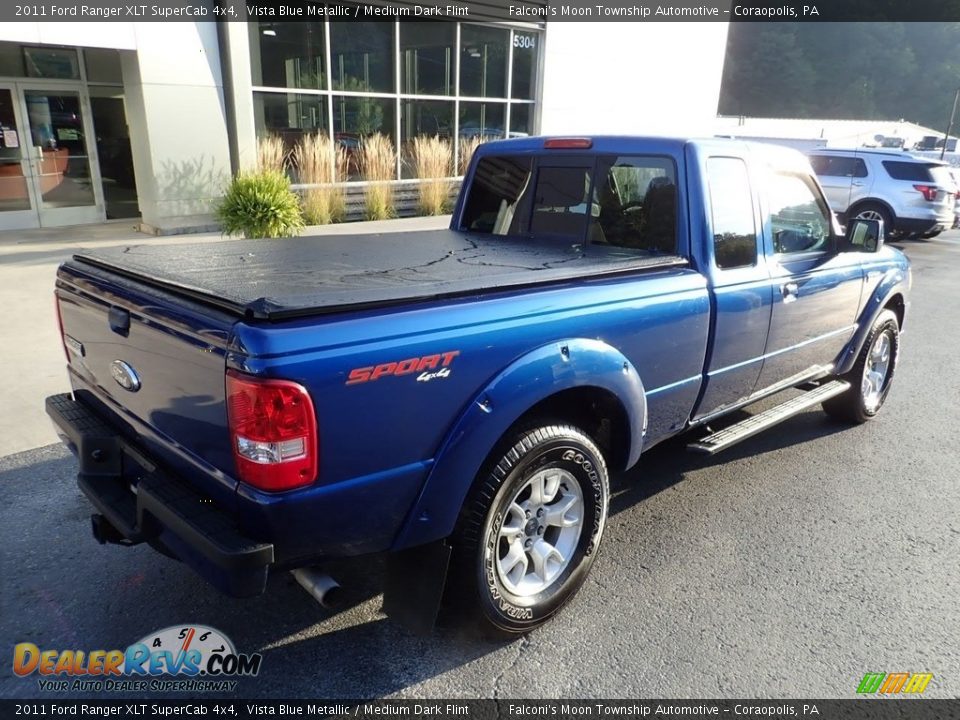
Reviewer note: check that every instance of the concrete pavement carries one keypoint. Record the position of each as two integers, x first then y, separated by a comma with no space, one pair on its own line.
786,567
32,358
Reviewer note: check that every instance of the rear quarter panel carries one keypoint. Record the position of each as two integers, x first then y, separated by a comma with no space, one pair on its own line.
379,439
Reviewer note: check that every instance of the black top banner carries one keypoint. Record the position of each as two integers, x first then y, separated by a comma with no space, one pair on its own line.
517,11
864,709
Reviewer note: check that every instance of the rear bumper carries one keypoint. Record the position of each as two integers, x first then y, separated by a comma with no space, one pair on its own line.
143,503
922,226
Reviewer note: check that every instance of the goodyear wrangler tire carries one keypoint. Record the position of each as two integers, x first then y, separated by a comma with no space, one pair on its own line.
531,528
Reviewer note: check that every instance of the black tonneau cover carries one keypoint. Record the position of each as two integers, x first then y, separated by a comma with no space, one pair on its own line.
274,279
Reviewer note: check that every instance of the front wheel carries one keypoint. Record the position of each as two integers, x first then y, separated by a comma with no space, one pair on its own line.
530,529
872,374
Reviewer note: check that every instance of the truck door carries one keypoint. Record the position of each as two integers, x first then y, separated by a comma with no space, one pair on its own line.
740,283
816,288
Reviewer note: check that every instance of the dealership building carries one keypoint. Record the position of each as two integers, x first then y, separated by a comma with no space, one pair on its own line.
147,120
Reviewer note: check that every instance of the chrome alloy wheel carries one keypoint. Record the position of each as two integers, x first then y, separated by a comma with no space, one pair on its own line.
875,372
540,531
869,215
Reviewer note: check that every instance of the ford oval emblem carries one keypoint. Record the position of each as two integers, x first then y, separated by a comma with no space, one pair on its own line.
125,375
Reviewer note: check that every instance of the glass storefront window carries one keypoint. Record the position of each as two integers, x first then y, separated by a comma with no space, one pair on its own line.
11,60
14,194
426,58
482,120
56,131
521,119
356,117
288,55
375,68
361,55
359,116
424,117
483,61
524,65
48,62
289,115
103,65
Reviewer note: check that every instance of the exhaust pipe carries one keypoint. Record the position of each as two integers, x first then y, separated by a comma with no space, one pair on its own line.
105,533
324,589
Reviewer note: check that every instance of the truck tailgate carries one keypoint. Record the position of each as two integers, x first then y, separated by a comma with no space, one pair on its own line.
155,360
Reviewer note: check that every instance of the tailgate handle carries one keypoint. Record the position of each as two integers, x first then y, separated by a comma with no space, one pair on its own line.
120,321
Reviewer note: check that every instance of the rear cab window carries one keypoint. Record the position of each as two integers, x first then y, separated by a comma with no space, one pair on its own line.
626,202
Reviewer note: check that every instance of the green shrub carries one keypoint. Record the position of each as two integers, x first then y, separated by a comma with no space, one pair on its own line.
260,205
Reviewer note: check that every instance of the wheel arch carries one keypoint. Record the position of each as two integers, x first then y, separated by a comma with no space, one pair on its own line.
853,209
889,295
577,381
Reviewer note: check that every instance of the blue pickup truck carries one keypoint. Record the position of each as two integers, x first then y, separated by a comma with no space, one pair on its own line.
457,399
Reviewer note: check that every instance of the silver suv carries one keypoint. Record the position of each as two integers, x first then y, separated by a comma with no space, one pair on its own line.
914,196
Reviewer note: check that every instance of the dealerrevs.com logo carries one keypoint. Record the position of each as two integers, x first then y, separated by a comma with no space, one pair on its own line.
191,658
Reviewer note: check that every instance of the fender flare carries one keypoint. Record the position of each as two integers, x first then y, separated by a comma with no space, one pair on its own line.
890,285
532,378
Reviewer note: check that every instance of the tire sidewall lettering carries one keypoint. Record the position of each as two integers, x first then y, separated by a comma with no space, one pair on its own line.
588,469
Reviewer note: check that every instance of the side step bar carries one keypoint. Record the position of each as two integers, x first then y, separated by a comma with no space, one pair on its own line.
723,439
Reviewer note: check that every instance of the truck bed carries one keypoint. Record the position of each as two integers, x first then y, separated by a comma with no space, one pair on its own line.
275,279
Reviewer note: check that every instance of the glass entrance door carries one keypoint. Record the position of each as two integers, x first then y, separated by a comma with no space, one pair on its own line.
59,156
17,209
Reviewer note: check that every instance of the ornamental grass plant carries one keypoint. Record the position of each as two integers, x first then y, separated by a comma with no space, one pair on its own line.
467,147
378,162
272,154
432,160
322,164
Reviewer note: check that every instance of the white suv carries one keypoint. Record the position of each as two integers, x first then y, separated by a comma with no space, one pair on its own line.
914,196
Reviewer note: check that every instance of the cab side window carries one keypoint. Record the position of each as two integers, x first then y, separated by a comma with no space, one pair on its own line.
731,209
799,218
635,204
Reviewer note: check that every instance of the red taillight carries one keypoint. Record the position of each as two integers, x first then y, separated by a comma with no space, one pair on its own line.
568,144
929,191
273,430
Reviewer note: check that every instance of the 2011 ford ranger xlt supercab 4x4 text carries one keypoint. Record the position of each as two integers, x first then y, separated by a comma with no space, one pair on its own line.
458,398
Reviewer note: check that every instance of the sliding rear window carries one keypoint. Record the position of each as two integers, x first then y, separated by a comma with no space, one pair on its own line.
624,202
499,195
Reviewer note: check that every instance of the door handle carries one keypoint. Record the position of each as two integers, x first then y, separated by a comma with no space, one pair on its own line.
789,291
857,184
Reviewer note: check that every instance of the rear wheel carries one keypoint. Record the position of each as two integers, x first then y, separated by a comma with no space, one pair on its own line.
872,374
875,211
530,529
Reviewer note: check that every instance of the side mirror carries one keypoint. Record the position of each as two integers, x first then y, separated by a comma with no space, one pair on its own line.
864,235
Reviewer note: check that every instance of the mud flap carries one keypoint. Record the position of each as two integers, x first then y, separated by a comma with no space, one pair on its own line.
415,580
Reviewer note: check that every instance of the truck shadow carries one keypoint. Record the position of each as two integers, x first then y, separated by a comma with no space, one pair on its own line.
669,463
62,590
65,591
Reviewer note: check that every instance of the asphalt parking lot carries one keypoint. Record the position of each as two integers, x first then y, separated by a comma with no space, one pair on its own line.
786,567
